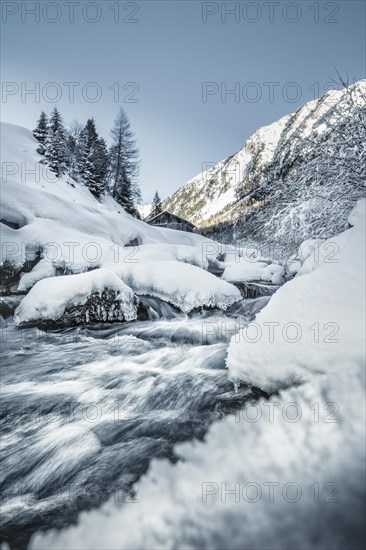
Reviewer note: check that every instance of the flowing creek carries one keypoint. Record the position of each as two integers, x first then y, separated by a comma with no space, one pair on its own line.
84,410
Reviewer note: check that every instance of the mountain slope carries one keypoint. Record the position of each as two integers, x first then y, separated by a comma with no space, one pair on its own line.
52,228
319,148
39,208
211,193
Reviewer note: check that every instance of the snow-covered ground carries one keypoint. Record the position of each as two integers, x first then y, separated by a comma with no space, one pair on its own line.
285,473
50,210
75,232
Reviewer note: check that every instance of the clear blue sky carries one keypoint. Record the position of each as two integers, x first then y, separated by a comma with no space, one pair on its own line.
171,49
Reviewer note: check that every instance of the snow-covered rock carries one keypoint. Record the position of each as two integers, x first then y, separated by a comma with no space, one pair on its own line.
181,284
243,270
42,270
96,296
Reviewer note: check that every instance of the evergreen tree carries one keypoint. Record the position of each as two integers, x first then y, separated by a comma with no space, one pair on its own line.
92,159
87,138
56,149
71,156
41,132
125,197
157,207
101,164
124,164
73,150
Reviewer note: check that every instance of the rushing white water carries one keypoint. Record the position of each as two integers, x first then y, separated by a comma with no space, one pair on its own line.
86,409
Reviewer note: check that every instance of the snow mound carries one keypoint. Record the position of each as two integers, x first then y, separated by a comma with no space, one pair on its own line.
148,253
181,284
51,297
314,323
242,270
42,270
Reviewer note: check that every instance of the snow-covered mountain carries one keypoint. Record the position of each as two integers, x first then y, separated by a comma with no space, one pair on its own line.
209,196
276,158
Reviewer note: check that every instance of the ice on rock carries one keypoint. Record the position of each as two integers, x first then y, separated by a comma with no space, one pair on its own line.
50,298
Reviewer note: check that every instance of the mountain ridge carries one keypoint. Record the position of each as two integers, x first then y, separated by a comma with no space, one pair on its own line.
272,154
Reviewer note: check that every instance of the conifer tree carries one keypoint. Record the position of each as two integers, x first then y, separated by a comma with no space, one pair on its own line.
73,150
101,165
92,159
41,132
157,207
71,156
124,164
56,149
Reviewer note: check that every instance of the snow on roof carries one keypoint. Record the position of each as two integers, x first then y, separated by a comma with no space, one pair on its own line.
170,214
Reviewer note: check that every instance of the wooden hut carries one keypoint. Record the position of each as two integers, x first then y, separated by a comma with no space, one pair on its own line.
171,221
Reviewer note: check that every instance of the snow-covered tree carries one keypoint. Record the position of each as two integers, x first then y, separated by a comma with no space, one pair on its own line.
41,132
156,206
56,148
92,159
124,164
73,150
101,165
87,139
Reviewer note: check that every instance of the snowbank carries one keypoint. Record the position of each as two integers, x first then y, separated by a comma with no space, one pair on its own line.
315,323
181,284
148,253
42,270
51,297
243,270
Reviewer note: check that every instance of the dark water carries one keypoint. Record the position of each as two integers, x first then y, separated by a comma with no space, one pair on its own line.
84,410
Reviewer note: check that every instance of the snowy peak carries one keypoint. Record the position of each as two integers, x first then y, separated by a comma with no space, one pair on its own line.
214,196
